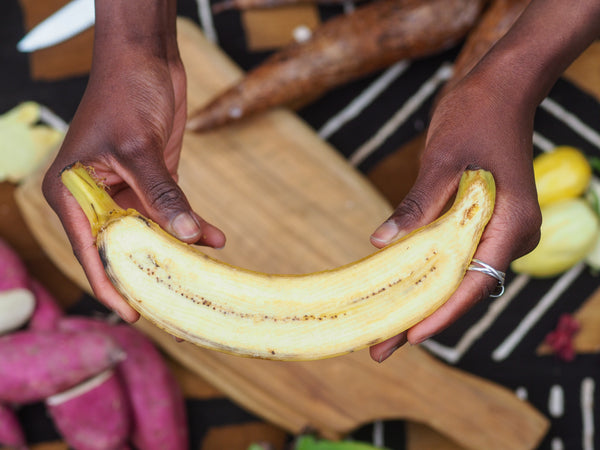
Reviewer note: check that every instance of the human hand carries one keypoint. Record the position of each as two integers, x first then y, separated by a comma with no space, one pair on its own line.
129,128
471,127
486,121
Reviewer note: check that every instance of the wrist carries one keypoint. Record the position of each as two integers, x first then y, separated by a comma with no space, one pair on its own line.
143,26
550,34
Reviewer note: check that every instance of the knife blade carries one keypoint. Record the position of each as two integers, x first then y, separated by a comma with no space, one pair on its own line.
70,20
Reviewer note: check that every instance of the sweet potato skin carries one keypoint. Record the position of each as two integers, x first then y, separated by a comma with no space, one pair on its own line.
13,273
154,399
93,416
37,364
47,312
153,392
11,433
344,48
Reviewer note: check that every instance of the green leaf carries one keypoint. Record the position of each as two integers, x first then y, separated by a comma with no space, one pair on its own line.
256,447
312,443
595,163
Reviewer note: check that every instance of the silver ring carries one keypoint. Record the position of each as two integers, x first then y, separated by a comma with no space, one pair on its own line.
479,266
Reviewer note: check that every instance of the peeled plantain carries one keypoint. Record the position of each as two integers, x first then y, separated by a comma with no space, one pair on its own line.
287,317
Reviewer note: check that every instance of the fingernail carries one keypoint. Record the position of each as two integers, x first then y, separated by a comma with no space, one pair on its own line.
185,227
386,232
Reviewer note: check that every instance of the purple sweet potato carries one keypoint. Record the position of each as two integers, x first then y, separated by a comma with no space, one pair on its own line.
78,324
94,415
16,301
47,312
344,48
153,392
11,433
13,273
37,364
16,308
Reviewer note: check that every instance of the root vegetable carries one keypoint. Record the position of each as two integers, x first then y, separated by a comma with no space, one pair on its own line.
16,308
13,273
11,433
154,399
94,415
16,301
344,48
37,364
47,312
77,324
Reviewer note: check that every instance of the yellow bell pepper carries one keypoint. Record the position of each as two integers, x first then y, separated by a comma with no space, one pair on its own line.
569,230
561,174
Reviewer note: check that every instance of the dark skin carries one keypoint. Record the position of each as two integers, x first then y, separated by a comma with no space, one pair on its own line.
130,123
129,126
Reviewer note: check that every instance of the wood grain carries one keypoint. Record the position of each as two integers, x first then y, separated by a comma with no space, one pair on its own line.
585,71
273,28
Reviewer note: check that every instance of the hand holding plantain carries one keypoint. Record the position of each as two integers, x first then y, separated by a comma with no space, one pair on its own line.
486,120
129,127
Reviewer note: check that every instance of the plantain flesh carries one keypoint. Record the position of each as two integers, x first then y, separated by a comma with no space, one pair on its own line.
284,317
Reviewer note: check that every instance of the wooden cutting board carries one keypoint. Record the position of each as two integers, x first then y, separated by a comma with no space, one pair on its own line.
288,202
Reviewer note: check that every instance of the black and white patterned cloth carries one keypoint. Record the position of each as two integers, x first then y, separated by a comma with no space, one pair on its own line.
366,121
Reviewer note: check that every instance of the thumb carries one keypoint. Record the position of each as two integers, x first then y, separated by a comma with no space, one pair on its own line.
423,204
163,200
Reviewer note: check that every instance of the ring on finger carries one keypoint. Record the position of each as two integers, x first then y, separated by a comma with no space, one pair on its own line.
479,266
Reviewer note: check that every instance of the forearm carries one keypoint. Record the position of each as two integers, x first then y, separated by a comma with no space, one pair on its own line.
549,35
144,25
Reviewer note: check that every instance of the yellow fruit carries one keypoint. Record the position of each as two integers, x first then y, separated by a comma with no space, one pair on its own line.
561,174
24,144
592,259
288,317
569,230
27,113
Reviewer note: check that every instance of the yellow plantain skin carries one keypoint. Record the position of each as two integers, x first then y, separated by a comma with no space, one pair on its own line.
285,317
